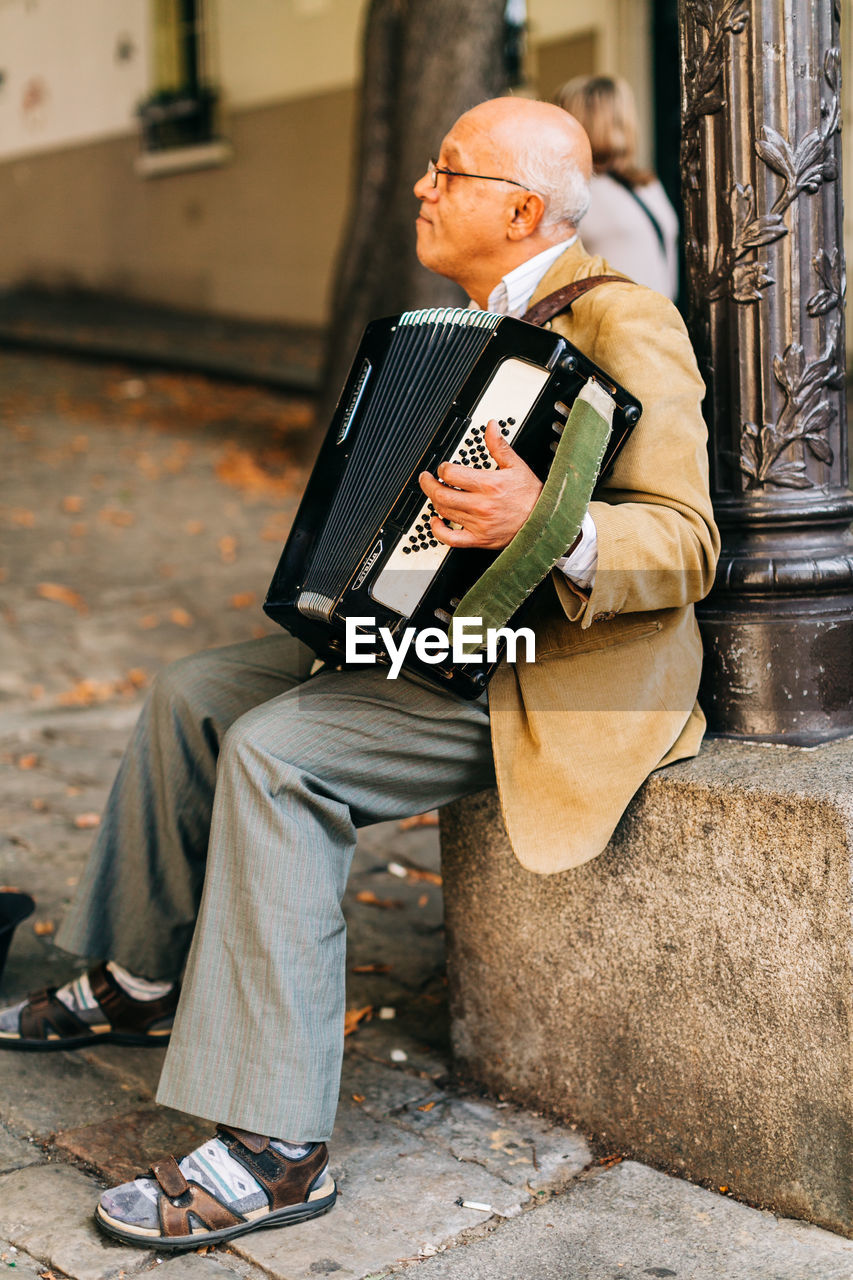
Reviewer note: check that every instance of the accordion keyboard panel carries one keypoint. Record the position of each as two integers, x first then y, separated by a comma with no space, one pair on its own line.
418,555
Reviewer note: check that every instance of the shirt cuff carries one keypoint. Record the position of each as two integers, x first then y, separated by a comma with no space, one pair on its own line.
581,565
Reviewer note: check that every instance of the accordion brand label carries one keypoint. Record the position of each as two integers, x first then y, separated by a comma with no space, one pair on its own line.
354,400
368,564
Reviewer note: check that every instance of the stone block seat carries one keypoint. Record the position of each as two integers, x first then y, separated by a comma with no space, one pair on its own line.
686,997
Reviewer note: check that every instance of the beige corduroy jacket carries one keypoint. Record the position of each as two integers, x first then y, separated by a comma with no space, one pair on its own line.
612,693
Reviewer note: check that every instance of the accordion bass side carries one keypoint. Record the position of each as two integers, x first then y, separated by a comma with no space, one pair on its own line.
422,387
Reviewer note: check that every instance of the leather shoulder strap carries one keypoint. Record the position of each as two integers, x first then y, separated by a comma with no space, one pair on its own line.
561,300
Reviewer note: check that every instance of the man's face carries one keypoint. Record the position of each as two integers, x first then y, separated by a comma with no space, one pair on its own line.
461,228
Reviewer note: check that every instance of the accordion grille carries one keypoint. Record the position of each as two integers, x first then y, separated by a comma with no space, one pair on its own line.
429,357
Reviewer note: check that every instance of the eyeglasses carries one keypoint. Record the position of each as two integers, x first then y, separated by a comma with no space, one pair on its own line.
433,171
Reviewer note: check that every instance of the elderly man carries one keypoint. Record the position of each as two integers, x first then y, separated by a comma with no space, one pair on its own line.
228,835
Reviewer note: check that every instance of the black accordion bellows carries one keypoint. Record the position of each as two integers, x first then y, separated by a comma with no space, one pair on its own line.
421,390
429,355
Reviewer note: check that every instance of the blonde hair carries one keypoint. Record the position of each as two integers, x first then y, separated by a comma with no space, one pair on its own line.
605,107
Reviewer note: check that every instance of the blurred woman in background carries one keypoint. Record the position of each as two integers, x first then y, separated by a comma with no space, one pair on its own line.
630,221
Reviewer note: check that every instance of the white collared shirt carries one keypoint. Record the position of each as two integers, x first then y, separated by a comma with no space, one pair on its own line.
511,297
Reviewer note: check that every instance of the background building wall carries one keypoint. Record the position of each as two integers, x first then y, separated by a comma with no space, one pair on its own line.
255,236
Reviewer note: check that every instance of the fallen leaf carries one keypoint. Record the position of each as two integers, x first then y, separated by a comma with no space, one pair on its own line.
78,528
358,1097
147,466
429,819
117,516
240,470
607,1162
192,527
86,692
227,549
370,968
353,1017
181,618
42,928
38,805
28,761
369,898
423,899
242,600
148,622
86,821
72,504
409,871
176,459
22,517
427,1106
62,595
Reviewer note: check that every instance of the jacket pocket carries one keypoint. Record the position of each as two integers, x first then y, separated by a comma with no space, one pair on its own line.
568,639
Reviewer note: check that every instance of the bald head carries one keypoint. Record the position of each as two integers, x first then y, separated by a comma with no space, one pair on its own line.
543,147
512,179
513,124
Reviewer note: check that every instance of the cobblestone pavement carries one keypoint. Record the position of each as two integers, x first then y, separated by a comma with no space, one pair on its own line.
141,518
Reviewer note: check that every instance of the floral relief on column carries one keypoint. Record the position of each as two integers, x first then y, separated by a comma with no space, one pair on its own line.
728,234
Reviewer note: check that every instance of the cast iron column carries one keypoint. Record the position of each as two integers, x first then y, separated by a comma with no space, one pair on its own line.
761,164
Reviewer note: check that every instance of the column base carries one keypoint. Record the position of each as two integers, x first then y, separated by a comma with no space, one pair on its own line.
778,673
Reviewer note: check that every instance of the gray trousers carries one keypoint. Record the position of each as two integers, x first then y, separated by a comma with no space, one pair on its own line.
226,845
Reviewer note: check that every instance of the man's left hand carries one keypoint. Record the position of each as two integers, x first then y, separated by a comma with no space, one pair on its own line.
490,506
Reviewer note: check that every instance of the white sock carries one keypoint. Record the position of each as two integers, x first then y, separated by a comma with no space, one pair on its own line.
77,995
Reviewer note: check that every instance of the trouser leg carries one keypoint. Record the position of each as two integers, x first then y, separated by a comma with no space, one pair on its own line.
139,895
259,1035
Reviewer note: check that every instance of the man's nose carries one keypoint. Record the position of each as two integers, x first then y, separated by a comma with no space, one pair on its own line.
423,188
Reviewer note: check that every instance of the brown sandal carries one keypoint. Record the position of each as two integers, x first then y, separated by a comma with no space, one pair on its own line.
46,1023
190,1216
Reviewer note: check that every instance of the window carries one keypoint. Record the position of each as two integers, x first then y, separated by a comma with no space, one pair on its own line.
181,111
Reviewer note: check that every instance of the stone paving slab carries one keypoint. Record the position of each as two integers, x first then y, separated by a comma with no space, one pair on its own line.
522,1149
218,1265
634,1222
47,1211
17,1265
17,1153
122,1148
43,1093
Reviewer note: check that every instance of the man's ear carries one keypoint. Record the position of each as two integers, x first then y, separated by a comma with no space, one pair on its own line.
528,212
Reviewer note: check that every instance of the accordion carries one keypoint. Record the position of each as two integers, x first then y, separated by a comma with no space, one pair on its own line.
422,387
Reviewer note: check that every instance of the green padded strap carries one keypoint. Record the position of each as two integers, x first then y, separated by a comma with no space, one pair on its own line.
554,522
